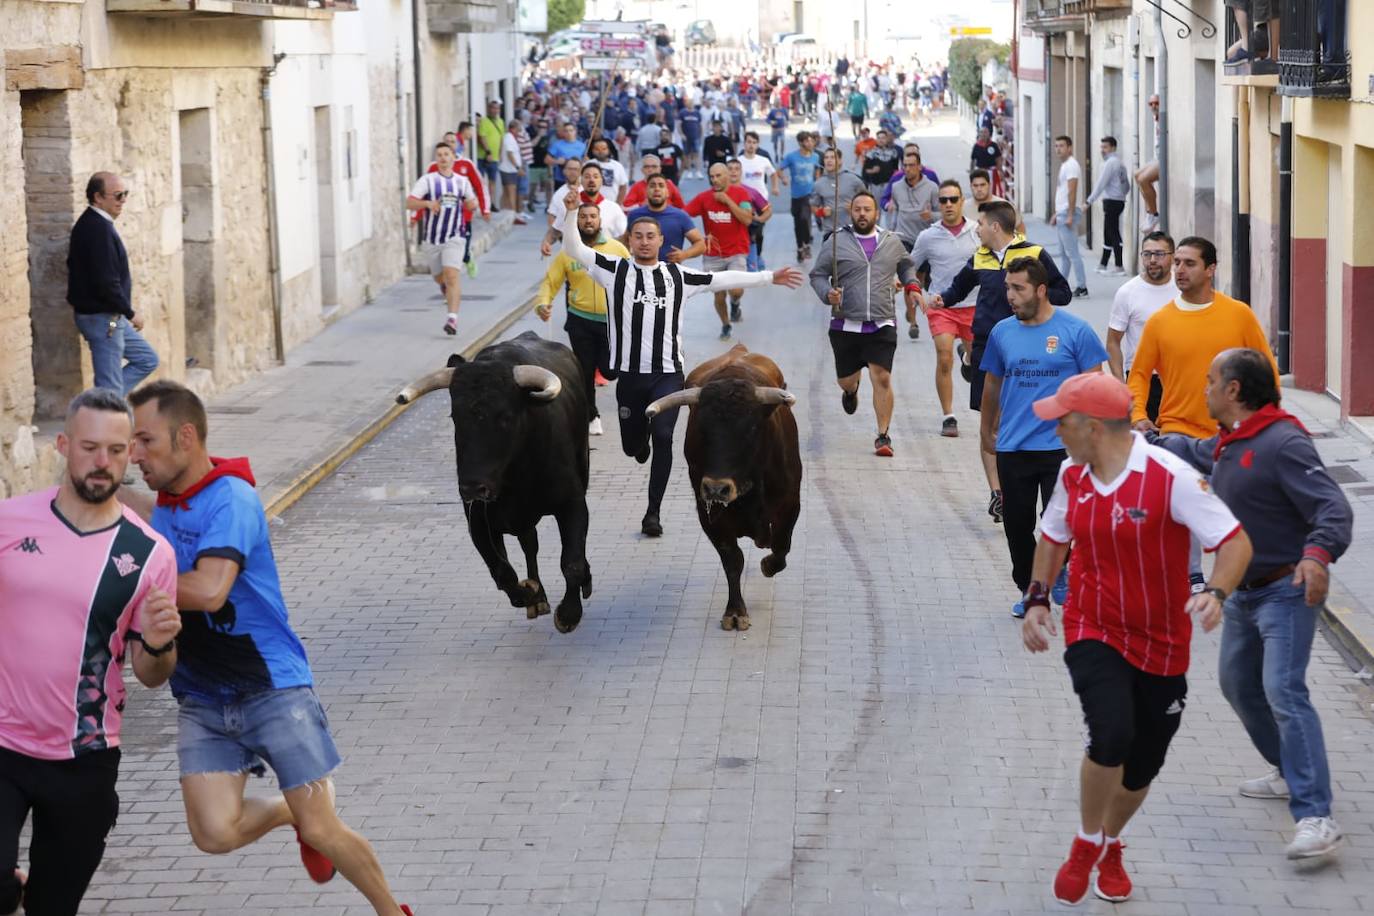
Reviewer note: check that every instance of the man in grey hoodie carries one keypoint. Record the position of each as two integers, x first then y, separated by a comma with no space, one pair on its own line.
854,275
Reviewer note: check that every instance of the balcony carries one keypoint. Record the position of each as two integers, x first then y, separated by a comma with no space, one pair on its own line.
214,9
448,17
1048,17
1101,8
1314,59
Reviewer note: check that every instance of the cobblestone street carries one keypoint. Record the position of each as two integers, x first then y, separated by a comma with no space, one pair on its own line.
879,742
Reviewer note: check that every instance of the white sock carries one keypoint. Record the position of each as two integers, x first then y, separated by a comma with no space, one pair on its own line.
453,315
1112,839
949,416
1094,838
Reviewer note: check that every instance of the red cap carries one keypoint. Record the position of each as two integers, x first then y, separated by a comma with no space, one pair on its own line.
1094,394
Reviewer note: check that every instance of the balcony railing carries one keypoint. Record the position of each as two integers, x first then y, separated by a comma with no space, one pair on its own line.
261,9
1314,60
453,16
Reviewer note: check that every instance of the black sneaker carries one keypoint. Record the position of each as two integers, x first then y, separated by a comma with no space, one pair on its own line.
725,332
736,312
882,446
849,400
914,332
1196,583
650,526
950,428
643,454
1081,291
995,507
965,369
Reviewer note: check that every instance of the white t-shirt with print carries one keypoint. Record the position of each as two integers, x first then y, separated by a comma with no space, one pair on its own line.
755,171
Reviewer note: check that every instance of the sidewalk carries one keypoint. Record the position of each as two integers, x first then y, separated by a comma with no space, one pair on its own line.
301,420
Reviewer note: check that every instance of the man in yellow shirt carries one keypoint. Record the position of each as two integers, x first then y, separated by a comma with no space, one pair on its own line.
1181,340
586,324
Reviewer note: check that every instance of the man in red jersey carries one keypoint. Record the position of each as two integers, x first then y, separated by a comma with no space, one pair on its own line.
1128,509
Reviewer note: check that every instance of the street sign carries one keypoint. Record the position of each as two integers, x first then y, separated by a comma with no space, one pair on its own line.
613,27
613,45
967,30
606,63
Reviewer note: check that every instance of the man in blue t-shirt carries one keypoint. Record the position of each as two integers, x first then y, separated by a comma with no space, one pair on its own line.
777,119
242,681
1027,357
566,147
681,238
799,170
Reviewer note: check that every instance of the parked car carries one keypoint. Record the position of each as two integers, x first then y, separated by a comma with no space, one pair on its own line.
792,45
702,32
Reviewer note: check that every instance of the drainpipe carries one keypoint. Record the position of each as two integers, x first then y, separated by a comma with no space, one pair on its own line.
1162,89
1240,196
1049,128
1088,141
273,230
419,121
1132,139
1285,233
401,154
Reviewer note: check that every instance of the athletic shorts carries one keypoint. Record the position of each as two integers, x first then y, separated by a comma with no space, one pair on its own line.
285,729
1130,715
447,255
958,322
856,120
855,351
713,264
510,179
538,174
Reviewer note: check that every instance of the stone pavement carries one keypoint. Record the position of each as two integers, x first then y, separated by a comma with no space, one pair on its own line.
878,743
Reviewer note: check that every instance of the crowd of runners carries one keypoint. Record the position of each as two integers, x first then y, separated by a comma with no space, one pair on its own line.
1106,447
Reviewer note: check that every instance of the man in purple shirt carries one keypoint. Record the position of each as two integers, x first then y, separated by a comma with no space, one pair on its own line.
763,212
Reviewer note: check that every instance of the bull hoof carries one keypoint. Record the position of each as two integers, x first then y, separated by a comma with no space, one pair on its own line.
742,622
587,587
567,621
728,622
772,564
538,609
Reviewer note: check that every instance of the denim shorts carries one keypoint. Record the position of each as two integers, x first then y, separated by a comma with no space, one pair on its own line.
284,729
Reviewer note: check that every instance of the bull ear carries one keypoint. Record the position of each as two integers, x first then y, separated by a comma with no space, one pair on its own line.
455,360
772,397
541,384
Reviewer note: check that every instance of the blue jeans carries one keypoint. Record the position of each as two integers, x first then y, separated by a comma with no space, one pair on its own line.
1266,640
1068,249
285,729
109,351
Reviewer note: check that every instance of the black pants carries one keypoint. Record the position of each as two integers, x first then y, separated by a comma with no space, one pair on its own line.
634,392
1152,402
1024,477
756,237
1131,715
801,220
1111,229
74,806
593,352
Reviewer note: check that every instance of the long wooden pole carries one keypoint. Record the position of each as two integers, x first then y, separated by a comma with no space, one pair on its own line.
835,310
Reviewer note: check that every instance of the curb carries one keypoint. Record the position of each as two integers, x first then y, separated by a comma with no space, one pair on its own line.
1355,640
312,477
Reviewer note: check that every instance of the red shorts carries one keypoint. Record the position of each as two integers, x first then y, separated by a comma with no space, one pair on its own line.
958,322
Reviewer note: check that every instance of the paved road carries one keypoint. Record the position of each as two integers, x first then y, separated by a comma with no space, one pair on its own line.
877,743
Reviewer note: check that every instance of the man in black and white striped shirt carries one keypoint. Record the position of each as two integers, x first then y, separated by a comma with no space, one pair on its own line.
644,329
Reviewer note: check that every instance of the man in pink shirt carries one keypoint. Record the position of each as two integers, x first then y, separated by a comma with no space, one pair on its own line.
82,580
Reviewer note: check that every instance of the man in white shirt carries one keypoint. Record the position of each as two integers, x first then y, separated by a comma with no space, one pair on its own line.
827,123
1136,300
612,216
1067,199
756,170
512,167
615,177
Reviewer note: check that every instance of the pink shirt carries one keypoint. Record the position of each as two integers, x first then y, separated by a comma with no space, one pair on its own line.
67,606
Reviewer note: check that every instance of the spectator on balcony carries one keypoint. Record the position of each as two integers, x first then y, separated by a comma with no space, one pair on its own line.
1239,52
1113,185
1147,175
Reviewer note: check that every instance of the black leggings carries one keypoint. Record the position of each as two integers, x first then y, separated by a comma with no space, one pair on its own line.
634,392
801,220
593,352
1111,229
1024,477
74,805
1131,715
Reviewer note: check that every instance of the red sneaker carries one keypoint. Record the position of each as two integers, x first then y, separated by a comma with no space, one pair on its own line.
405,909
317,865
600,379
1071,883
1112,881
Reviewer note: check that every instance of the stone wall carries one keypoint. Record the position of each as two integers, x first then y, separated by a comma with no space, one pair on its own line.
385,252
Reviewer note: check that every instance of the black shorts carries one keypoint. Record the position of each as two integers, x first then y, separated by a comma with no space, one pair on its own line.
855,351
856,120
975,385
1131,716
73,805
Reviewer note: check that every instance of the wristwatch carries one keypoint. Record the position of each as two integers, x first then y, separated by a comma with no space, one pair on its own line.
1219,592
163,650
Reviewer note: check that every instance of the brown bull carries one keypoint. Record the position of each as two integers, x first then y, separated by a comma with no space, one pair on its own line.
744,462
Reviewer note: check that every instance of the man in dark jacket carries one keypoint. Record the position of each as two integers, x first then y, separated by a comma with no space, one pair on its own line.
1266,470
99,289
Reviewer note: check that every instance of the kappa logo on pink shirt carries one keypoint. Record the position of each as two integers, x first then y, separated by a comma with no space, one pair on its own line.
124,564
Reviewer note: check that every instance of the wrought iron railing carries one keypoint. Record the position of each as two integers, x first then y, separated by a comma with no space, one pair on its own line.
1314,57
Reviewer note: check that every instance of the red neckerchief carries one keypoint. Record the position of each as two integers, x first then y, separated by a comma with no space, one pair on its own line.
221,467
1251,427
589,200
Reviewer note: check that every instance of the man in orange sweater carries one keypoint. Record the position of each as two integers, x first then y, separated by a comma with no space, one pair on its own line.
1181,340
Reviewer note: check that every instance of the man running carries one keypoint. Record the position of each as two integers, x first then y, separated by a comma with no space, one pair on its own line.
612,217
682,240
645,334
799,169
762,209
635,197
833,193
465,167
980,186
857,283
758,174
83,584
725,213
242,679
1129,510
777,119
444,196
858,110
614,176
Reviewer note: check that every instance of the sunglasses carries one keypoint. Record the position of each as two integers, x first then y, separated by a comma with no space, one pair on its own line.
121,196
949,200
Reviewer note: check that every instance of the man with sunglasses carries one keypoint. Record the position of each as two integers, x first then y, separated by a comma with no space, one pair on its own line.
100,290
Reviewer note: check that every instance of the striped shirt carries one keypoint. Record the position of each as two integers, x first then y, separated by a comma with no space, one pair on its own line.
451,191
1128,576
644,305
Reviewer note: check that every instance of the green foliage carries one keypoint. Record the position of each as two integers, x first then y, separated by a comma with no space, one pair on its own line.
967,57
565,13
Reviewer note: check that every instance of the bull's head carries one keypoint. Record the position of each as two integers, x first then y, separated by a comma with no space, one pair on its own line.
728,420
491,401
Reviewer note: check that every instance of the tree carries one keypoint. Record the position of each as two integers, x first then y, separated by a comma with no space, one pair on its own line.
565,13
967,57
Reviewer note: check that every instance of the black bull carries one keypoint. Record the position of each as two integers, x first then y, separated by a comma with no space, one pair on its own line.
520,432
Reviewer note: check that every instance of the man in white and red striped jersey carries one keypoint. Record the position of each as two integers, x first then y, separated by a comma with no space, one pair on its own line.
1128,509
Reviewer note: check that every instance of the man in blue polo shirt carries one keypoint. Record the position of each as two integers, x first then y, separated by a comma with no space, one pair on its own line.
682,240
565,147
799,170
1027,356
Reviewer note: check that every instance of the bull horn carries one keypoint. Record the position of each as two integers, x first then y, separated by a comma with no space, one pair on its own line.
542,384
687,397
775,396
437,379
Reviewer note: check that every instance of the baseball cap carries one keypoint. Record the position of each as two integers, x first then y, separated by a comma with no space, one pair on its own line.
1094,394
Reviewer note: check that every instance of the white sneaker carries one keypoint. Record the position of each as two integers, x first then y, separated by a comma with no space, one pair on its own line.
1270,785
1316,836
594,427
1116,272
1100,270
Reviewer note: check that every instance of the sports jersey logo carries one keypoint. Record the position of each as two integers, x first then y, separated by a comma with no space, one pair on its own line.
124,564
648,300
1134,513
1051,344
28,545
